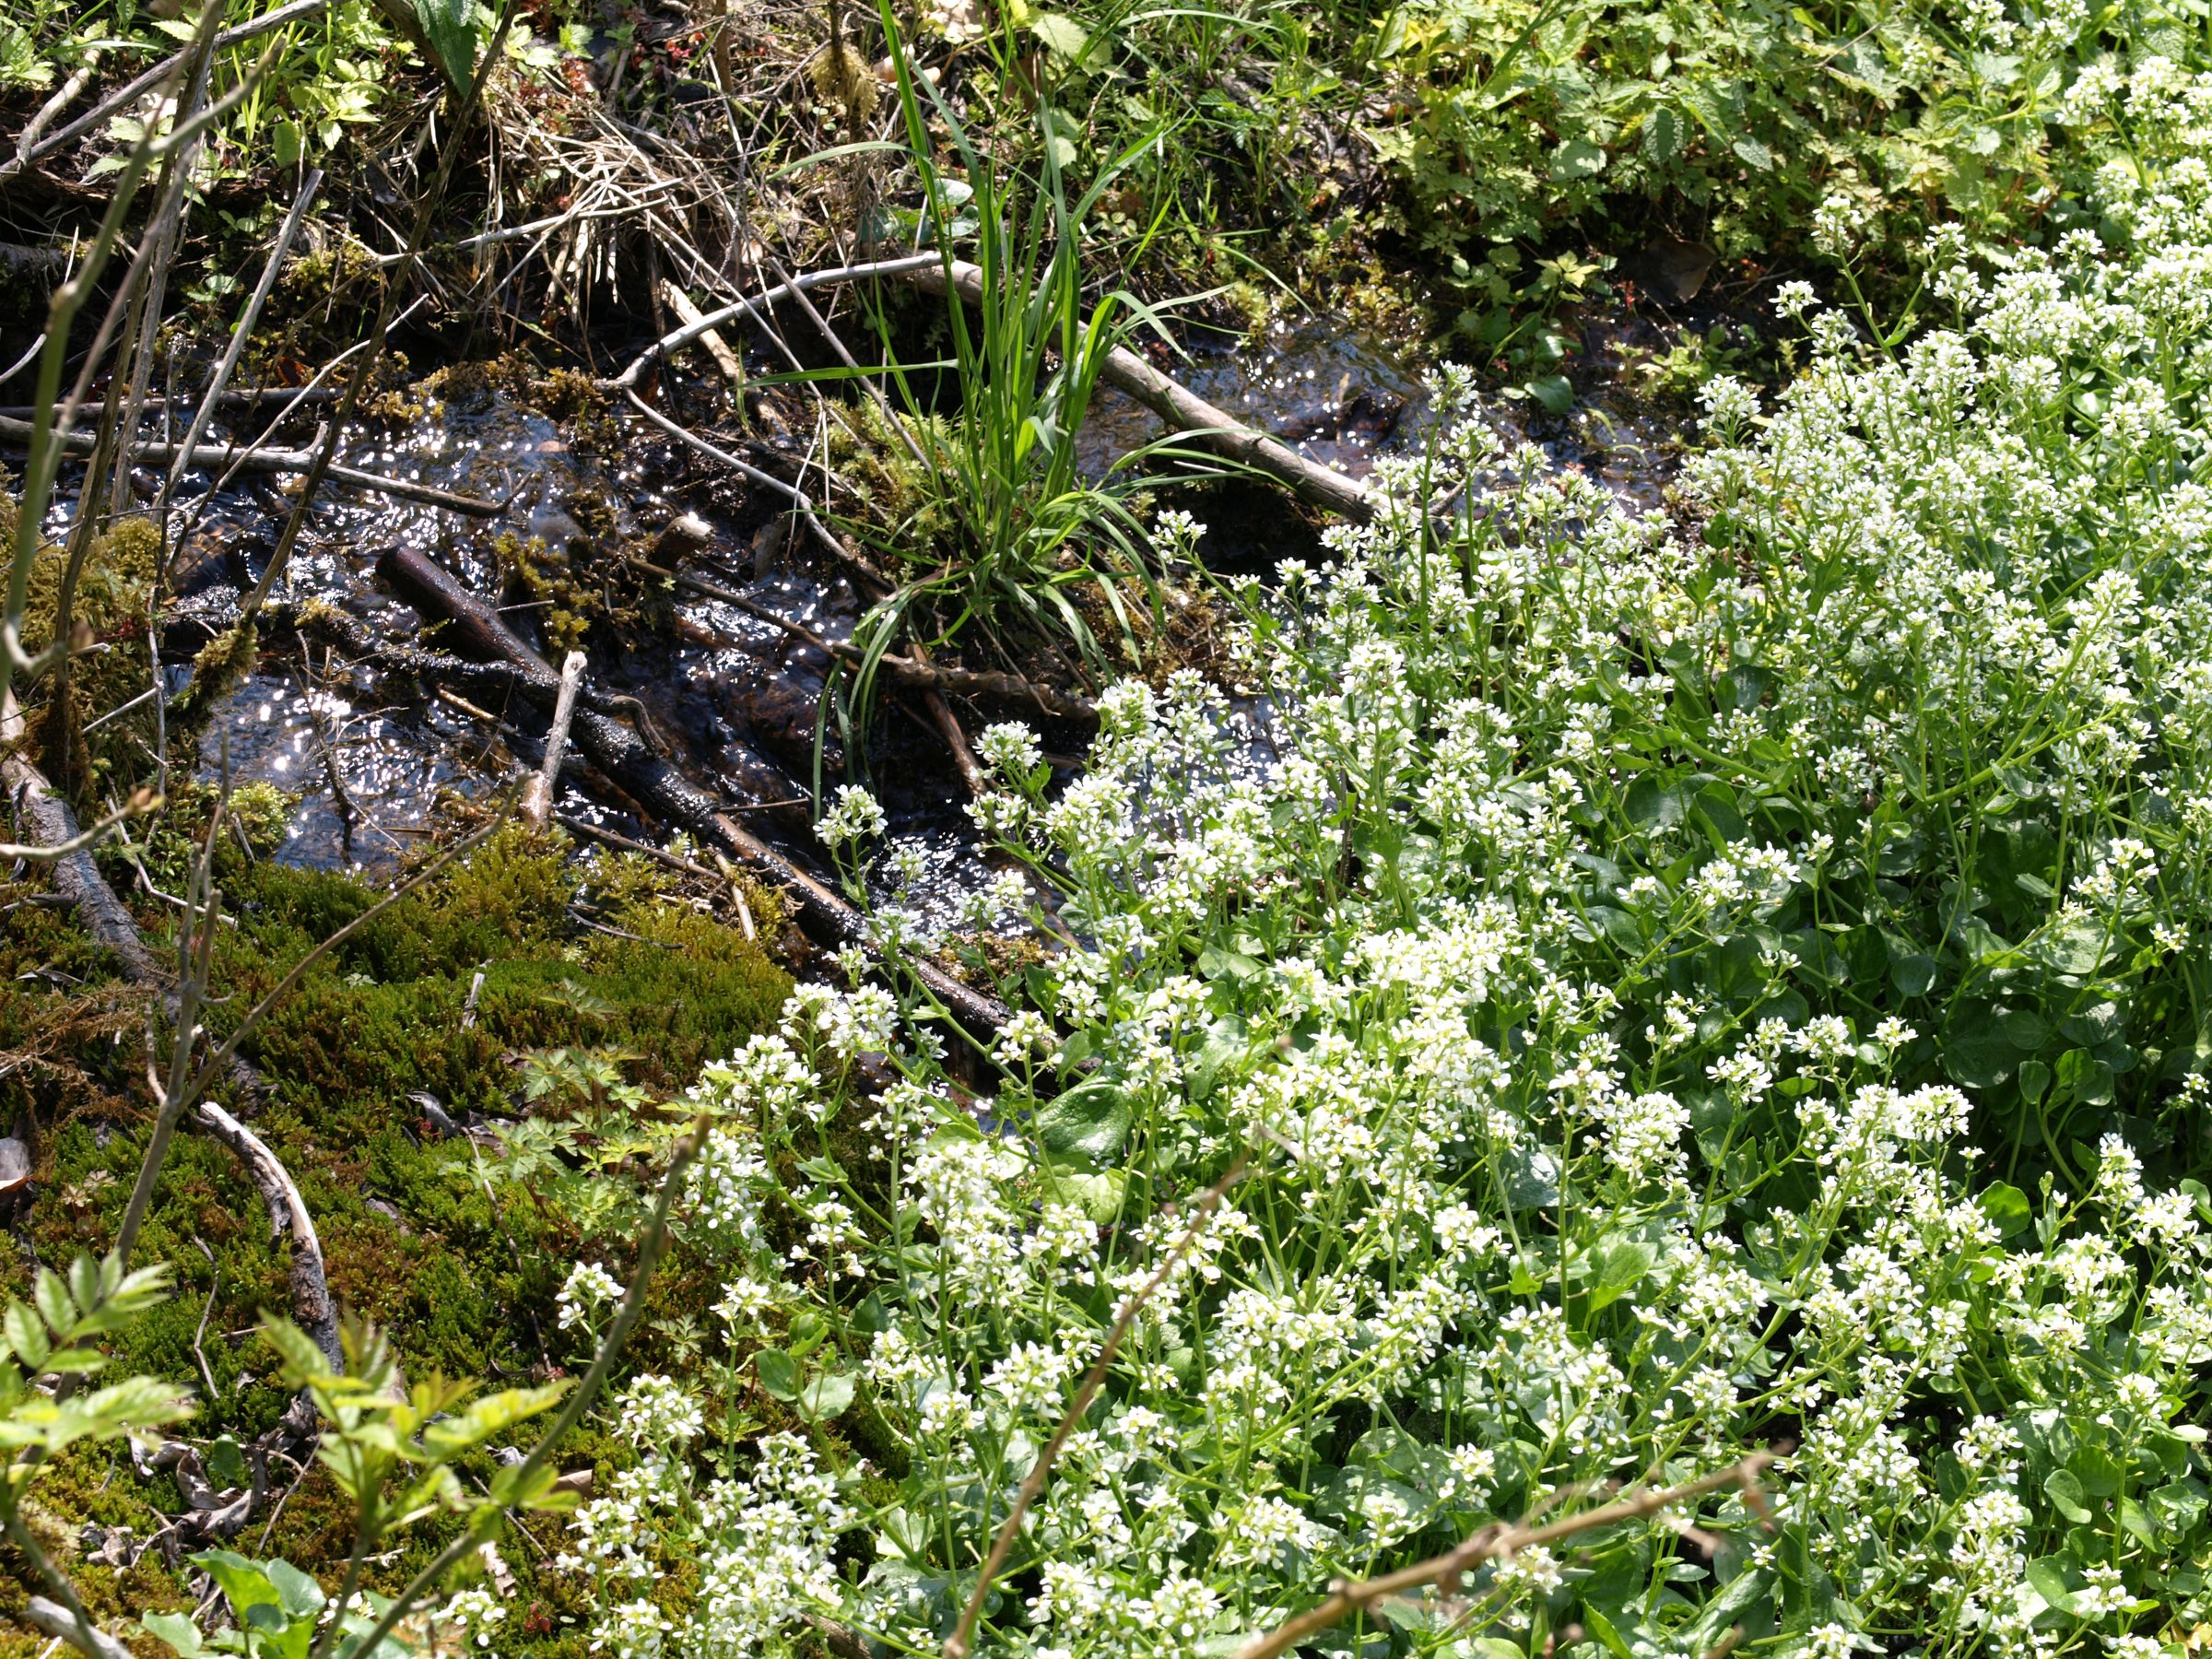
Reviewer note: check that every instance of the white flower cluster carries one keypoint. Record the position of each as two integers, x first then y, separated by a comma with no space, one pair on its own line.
1598,966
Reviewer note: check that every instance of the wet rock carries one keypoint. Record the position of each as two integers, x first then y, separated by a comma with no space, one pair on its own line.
779,702
1674,270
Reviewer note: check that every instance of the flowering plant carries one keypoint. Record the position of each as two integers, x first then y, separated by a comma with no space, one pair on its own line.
1661,989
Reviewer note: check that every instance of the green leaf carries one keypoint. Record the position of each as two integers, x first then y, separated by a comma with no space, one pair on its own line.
181,1634
2006,1207
2024,1029
1662,142
226,1463
1754,154
56,1306
242,1581
1599,1626
2047,1577
1091,1120
1979,1058
450,28
779,1372
1618,1270
1913,974
1554,392
2136,1519
304,1362
2062,1487
300,1594
2180,1504
1069,41
1652,806
1097,1193
26,1335
1577,158
825,1397
2084,1078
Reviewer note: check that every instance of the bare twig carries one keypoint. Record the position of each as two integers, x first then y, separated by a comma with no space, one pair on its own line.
754,307
287,1214
538,795
50,1617
217,383
254,459
1189,415
425,217
908,673
1494,1544
960,1643
717,347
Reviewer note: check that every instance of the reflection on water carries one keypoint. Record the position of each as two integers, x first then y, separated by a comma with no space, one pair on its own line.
737,699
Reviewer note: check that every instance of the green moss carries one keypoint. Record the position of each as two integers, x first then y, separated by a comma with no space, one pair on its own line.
110,667
413,1237
257,819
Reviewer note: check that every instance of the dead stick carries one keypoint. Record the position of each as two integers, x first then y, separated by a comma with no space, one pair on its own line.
904,672
623,757
287,1214
958,1645
537,795
717,347
49,823
1496,1543
1191,416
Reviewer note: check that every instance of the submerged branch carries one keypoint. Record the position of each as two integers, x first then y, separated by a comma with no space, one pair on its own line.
252,459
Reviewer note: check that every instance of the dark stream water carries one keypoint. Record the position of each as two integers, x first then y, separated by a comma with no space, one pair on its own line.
735,696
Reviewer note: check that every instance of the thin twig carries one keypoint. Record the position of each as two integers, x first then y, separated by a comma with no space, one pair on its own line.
959,1644
1497,1543
220,379
252,458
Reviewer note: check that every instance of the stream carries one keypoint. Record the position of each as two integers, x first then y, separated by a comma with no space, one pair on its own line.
734,696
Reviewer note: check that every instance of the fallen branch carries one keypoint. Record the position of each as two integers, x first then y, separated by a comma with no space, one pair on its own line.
311,1305
755,309
958,1644
50,1619
1497,1544
220,381
66,851
156,403
689,313
1189,415
664,791
538,795
248,458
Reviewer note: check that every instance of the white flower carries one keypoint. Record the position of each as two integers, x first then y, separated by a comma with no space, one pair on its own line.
588,1287
855,817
